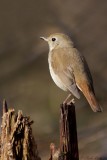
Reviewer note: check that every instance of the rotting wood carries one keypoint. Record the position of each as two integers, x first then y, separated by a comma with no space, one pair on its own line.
68,149
17,141
68,133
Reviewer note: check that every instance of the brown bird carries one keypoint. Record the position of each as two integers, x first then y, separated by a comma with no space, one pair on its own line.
69,69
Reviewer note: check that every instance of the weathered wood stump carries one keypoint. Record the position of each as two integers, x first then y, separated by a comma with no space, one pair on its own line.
68,149
68,133
17,141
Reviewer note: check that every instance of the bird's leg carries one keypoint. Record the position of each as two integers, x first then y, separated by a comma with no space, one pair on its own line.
66,100
69,102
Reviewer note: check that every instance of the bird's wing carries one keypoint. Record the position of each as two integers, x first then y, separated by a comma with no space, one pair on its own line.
62,68
68,79
88,73
83,68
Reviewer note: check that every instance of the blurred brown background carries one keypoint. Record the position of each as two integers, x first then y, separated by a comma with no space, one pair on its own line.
25,81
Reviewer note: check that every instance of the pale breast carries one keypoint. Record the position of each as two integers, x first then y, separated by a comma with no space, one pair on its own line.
54,76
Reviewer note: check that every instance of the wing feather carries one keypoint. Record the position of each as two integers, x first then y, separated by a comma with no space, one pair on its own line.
62,68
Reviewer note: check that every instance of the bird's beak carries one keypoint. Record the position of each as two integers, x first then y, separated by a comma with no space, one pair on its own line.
45,39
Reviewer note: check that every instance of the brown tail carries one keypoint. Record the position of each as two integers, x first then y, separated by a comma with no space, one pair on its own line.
93,102
90,96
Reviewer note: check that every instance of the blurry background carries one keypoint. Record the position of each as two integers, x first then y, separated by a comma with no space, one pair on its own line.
25,81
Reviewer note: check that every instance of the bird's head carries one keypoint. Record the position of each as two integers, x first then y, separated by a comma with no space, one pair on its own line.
58,40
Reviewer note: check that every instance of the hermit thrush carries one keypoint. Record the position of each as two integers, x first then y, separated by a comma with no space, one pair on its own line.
69,69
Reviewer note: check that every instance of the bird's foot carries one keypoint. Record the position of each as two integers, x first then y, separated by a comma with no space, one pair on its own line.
71,101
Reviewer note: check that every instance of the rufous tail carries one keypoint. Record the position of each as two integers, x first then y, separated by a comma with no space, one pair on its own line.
88,92
90,96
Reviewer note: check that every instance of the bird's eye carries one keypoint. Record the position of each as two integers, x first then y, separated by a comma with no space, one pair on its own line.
53,39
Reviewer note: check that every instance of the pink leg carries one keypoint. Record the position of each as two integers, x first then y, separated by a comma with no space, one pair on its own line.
69,101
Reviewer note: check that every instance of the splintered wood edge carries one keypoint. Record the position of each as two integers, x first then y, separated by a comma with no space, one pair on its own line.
5,107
